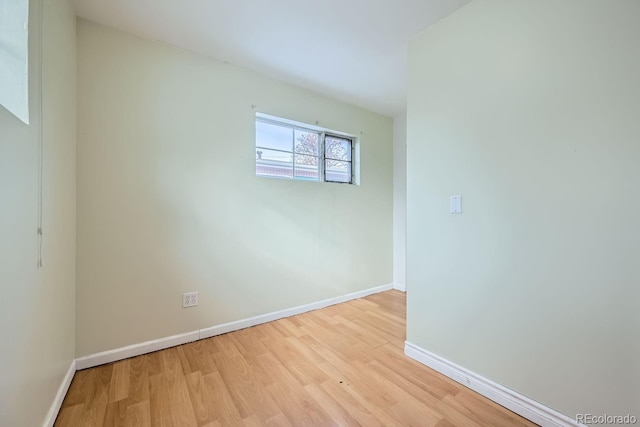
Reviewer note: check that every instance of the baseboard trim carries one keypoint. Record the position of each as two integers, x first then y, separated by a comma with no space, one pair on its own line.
281,314
50,419
160,344
400,287
135,350
521,405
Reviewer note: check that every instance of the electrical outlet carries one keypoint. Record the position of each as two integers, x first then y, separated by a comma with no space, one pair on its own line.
189,299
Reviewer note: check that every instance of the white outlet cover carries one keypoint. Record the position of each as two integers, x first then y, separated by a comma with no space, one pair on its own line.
190,299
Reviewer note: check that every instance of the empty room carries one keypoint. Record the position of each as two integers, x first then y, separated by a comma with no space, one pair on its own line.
318,213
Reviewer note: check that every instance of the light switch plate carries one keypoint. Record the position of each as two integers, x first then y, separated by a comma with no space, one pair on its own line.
455,204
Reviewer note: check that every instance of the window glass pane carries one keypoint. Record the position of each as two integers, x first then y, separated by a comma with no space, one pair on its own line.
307,142
337,171
292,150
273,136
274,163
307,167
337,148
14,54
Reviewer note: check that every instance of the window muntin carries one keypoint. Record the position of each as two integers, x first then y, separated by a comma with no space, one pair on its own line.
286,150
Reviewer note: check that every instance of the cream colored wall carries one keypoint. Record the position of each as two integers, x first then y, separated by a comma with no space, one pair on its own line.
37,307
530,111
400,201
168,200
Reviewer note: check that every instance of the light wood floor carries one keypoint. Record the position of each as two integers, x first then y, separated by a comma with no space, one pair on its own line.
342,365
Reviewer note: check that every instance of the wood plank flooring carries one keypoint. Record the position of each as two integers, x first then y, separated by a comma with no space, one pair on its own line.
339,366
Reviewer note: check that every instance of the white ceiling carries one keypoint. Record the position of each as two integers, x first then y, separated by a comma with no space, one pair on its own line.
352,50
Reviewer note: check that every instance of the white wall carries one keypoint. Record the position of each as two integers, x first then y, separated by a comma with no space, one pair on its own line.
168,200
400,202
37,307
529,110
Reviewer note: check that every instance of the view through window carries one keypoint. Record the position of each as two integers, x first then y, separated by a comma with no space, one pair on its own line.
293,151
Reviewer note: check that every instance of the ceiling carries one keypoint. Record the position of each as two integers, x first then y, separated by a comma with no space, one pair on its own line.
351,50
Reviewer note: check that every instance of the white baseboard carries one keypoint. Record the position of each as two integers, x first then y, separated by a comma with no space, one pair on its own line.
162,343
521,405
400,287
135,350
50,419
269,317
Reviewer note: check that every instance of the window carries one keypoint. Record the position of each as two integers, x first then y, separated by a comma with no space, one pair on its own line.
287,149
14,55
